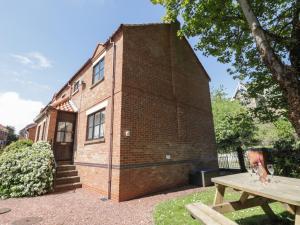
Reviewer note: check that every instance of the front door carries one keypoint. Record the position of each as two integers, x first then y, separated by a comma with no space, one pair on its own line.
64,140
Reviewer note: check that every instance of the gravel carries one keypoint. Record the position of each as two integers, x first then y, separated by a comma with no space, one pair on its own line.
82,207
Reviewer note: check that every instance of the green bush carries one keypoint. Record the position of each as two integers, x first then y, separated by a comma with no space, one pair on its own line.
26,170
18,145
297,146
284,144
286,158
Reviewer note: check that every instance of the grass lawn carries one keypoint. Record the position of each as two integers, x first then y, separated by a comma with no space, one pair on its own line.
173,212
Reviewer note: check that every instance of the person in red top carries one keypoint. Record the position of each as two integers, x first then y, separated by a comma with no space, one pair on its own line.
257,159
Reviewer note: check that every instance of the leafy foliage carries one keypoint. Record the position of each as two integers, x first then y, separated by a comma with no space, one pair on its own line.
279,133
11,137
285,130
266,134
234,126
286,161
286,151
26,170
18,145
224,33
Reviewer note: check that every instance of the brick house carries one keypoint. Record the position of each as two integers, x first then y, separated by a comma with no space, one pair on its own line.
3,136
135,118
28,132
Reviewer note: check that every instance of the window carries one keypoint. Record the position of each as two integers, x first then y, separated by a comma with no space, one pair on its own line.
64,132
43,131
98,71
76,87
95,125
38,133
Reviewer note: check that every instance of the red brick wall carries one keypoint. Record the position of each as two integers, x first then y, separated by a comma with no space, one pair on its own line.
31,133
162,98
51,135
92,158
166,107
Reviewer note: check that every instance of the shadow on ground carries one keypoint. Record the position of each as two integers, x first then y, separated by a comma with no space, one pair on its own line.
284,218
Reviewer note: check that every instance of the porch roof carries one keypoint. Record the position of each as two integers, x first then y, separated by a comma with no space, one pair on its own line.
65,106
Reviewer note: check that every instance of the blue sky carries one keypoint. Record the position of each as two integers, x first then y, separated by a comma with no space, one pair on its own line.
42,44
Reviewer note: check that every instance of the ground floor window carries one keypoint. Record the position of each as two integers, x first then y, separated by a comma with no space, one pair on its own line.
95,125
64,132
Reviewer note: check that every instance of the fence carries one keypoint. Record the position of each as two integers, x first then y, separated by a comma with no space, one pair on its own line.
230,160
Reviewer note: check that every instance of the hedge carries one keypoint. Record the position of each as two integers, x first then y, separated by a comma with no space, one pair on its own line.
26,170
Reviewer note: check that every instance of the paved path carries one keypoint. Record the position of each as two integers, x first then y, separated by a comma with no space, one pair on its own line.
85,208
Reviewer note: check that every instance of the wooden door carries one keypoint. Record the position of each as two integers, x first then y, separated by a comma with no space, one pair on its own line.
64,137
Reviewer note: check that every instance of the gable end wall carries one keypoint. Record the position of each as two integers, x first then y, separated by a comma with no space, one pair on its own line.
166,108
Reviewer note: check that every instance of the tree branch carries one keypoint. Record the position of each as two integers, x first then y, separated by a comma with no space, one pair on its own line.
295,36
274,37
281,15
267,54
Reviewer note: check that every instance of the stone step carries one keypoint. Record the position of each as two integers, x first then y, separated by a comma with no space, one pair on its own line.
67,187
67,180
66,173
65,168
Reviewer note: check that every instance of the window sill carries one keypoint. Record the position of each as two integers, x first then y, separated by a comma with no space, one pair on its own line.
95,84
97,141
75,92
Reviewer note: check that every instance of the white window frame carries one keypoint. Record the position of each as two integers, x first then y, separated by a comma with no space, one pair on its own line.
97,107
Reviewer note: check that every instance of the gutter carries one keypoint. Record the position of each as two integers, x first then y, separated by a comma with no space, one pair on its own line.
112,121
74,76
41,114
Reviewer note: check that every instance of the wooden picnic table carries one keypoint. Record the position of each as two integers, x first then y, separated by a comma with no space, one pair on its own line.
254,193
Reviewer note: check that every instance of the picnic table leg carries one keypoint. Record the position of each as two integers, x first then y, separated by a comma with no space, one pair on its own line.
244,197
290,208
219,197
268,211
297,218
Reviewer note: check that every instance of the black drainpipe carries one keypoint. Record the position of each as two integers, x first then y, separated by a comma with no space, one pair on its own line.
111,123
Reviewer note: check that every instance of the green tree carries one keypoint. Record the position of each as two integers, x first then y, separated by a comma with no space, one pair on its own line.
11,137
261,38
284,129
234,126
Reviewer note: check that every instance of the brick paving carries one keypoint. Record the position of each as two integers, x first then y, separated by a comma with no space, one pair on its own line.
85,208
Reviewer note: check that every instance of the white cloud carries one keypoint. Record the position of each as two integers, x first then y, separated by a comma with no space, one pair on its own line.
42,61
22,59
16,111
35,60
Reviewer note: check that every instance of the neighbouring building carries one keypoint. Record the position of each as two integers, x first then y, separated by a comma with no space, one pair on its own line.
28,132
240,94
3,136
135,119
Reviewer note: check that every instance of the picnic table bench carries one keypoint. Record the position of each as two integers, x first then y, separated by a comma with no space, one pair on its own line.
253,193
207,215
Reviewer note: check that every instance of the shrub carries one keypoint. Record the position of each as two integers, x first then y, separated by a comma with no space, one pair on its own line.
18,145
286,157
284,144
27,170
297,146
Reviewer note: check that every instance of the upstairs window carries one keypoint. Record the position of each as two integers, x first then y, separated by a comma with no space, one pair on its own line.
98,71
75,86
95,125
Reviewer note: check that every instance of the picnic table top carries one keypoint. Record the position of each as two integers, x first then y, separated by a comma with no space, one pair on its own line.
282,189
